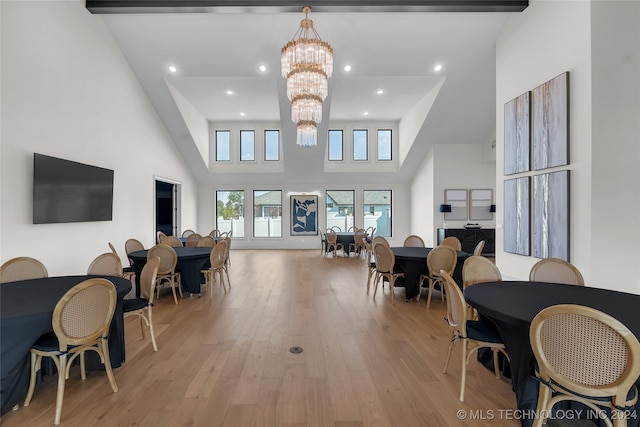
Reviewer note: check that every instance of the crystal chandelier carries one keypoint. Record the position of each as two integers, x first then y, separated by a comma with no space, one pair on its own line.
307,63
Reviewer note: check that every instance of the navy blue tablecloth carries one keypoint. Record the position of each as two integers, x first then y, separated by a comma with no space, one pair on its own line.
26,312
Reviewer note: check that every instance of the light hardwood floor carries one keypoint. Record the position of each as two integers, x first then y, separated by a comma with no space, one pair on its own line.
226,362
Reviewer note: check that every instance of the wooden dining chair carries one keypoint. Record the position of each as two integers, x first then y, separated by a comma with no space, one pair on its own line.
556,270
587,356
106,264
357,246
159,236
167,268
323,242
187,233
453,242
206,241
80,321
22,268
439,258
217,260
143,307
385,263
479,247
478,269
472,334
127,271
332,243
192,239
172,241
413,241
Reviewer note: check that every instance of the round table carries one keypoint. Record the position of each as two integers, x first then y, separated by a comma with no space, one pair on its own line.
513,305
412,261
191,260
26,312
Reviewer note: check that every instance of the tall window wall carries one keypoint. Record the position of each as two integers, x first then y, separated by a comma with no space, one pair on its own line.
340,208
223,146
378,211
247,145
336,145
267,213
230,212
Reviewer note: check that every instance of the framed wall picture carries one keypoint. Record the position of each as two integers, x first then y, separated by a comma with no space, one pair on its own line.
550,123
304,215
517,135
516,216
551,215
480,201
458,201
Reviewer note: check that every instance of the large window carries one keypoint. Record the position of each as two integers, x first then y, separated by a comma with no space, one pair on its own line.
336,145
271,145
223,146
267,213
360,144
340,206
230,212
378,211
247,145
384,144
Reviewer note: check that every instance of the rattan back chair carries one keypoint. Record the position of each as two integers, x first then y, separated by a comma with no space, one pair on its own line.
106,264
187,233
359,237
478,269
479,247
332,243
439,258
192,239
453,242
206,241
556,270
81,321
132,245
143,307
172,241
217,261
379,239
371,264
167,268
587,356
385,264
473,334
413,241
159,236
22,268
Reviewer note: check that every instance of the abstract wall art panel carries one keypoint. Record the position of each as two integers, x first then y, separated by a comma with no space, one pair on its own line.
516,216
551,215
304,215
550,123
516,135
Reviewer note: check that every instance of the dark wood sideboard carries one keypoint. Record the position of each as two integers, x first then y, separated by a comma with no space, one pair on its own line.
470,237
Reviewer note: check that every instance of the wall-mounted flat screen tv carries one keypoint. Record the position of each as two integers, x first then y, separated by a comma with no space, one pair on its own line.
67,191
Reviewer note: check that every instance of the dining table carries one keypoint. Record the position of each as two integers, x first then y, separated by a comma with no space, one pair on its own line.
512,305
191,261
412,261
26,314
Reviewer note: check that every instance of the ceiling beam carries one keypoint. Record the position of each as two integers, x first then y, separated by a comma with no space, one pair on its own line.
281,6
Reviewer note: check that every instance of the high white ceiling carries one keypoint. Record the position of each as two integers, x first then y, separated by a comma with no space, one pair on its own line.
395,52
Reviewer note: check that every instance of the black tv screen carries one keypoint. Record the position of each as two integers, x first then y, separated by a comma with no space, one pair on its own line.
66,191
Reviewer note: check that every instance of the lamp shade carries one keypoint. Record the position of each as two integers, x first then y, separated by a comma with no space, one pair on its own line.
492,209
445,208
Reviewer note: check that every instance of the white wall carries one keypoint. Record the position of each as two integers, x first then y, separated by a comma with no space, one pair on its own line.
206,216
598,44
68,92
448,166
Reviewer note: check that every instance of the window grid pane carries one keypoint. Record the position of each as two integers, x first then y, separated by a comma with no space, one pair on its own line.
247,145
271,145
223,145
267,213
230,212
384,144
340,207
378,211
336,145
360,144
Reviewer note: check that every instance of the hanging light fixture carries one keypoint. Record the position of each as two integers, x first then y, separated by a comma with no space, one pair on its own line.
307,63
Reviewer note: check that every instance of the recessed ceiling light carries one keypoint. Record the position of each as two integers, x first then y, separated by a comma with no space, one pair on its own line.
173,69
380,92
347,68
262,68
438,67
242,114
366,113
229,92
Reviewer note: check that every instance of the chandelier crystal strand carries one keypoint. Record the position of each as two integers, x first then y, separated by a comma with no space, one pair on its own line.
307,63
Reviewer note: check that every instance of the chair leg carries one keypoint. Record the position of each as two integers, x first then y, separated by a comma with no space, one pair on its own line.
35,367
496,363
369,275
173,290
449,351
104,347
430,292
151,332
375,285
226,272
392,280
62,365
420,288
464,369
